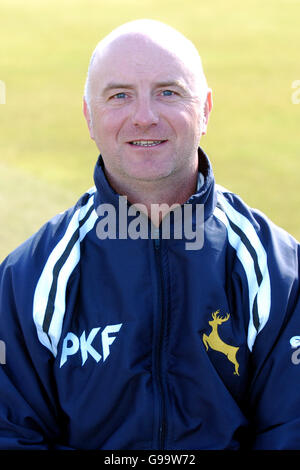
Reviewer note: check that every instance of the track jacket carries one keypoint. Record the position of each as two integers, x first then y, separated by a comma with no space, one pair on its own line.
122,343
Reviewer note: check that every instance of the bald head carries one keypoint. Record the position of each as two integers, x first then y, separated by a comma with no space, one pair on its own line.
147,105
153,33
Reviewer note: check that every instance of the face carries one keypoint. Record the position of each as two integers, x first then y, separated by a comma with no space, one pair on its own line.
145,114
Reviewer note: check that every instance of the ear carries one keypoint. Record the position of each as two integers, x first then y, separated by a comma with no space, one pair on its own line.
88,117
207,109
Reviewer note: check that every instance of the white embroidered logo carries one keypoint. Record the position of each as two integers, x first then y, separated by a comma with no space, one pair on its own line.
295,343
72,343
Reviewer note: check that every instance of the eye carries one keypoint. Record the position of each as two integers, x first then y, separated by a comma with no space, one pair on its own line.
119,96
168,93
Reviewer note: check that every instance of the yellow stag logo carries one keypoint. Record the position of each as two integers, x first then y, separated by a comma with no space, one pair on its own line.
214,341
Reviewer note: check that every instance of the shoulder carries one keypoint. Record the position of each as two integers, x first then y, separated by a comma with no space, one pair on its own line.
62,231
270,255
241,218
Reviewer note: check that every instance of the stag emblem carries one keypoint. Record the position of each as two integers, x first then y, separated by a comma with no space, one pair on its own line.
214,341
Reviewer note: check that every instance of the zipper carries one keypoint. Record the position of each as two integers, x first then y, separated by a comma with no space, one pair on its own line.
161,436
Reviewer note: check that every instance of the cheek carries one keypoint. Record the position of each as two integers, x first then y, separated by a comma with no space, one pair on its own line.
188,122
194,120
107,124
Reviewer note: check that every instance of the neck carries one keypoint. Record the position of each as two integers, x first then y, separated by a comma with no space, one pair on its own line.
157,196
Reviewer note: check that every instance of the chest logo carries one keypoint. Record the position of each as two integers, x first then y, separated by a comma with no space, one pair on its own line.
214,341
72,344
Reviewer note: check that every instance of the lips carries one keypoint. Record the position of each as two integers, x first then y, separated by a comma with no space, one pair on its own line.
146,143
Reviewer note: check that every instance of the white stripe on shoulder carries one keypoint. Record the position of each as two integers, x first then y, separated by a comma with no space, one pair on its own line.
252,255
52,284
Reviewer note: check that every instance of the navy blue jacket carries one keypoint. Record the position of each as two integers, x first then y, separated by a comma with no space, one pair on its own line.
122,343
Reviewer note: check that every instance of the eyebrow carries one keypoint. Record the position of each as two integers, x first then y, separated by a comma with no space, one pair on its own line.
115,85
172,83
162,84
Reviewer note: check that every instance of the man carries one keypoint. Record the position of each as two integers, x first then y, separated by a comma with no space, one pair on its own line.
128,339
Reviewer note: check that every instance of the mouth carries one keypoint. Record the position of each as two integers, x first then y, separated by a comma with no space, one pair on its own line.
146,143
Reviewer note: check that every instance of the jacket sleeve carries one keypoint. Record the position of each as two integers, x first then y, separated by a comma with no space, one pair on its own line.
274,394
28,411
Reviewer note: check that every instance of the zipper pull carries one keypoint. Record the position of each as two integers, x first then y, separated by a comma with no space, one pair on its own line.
157,243
156,238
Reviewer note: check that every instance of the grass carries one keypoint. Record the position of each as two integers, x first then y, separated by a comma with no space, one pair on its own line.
250,52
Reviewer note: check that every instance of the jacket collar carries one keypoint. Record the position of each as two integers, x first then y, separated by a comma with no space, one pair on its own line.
204,195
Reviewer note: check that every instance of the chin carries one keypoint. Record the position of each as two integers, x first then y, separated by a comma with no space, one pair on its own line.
149,174
149,178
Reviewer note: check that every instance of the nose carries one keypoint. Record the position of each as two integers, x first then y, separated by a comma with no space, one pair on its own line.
144,112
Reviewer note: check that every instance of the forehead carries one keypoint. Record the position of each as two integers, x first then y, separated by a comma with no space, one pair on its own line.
136,57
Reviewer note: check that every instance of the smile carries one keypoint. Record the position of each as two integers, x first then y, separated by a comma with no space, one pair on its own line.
146,143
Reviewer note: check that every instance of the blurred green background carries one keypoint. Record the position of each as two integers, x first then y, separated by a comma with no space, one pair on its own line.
250,51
